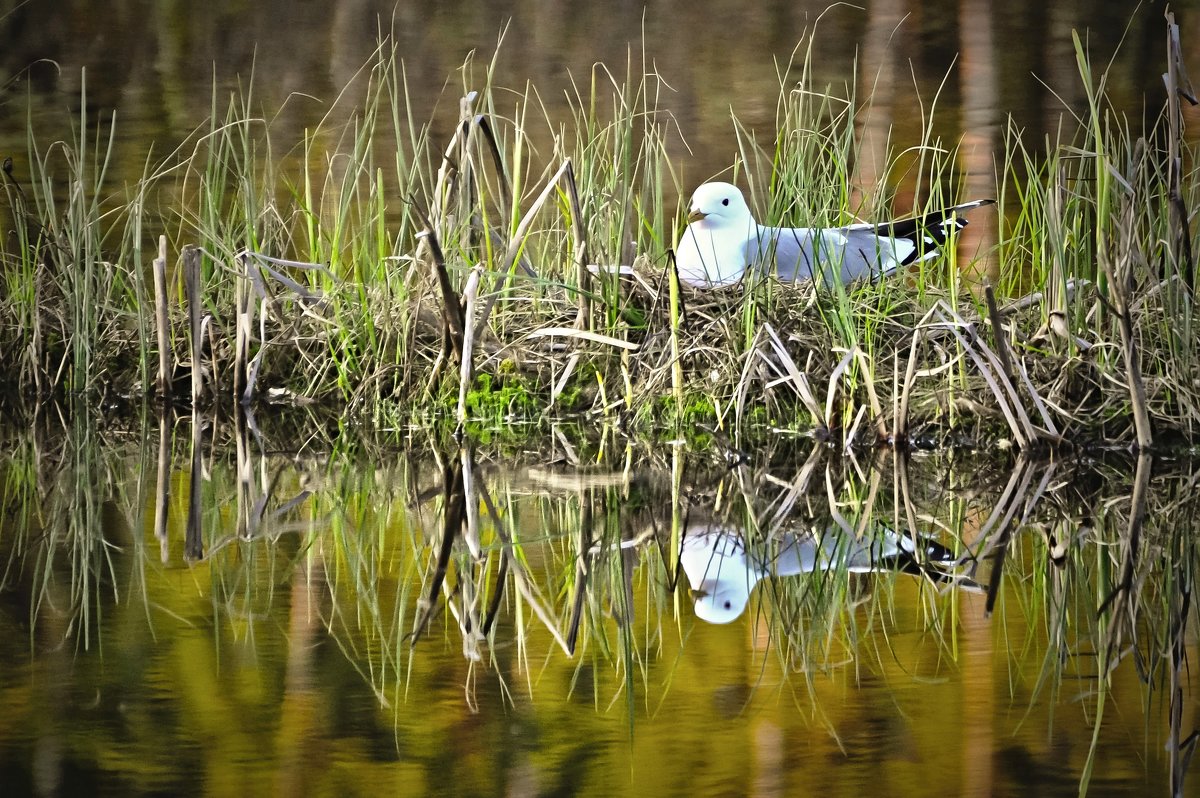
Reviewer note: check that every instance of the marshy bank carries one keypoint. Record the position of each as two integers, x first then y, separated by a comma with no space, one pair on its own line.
394,279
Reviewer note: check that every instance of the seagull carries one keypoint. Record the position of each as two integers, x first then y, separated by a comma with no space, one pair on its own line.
723,241
722,572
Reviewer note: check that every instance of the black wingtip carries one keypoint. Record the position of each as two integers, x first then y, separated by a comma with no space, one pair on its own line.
929,231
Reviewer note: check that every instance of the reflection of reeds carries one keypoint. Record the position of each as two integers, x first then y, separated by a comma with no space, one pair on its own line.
576,571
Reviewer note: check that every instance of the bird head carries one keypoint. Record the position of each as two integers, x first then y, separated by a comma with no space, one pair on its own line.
719,205
718,571
722,603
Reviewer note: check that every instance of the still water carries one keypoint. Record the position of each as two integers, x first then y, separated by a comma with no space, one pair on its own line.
235,615
962,67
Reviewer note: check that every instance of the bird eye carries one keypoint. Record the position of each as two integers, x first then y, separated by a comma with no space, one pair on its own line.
725,201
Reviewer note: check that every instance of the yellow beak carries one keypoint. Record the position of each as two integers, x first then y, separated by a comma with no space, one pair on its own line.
696,215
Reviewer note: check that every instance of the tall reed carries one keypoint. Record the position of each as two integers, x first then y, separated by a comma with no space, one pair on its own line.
340,255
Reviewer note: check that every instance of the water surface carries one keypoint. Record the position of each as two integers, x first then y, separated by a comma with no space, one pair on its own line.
416,619
961,66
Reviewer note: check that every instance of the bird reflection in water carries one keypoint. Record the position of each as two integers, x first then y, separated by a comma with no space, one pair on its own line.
722,571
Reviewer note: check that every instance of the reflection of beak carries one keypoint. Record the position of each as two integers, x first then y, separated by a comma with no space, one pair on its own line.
697,593
696,215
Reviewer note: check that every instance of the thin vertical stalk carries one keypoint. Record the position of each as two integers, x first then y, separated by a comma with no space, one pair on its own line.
466,364
191,281
163,334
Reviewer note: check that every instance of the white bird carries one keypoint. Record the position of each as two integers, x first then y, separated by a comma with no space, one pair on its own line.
723,241
722,573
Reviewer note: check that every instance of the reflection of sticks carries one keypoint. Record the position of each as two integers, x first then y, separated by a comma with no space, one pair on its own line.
1010,524
523,583
470,505
494,606
624,617
453,516
193,544
1137,515
579,589
797,488
867,511
163,481
1180,750
1018,483
1004,513
900,480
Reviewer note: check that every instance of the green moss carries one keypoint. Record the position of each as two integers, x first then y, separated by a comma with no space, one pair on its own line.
500,397
700,410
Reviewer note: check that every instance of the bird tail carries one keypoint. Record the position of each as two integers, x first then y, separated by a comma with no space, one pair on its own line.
927,233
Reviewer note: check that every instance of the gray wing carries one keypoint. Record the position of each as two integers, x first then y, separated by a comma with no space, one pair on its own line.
843,254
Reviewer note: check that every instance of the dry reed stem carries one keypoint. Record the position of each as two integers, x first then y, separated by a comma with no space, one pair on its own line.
242,301
1119,267
881,433
191,280
675,310
988,367
998,332
1178,85
466,364
161,323
480,122
1009,384
910,376
452,310
584,335
561,383
456,150
255,366
517,242
796,378
579,234
831,390
743,384
1043,411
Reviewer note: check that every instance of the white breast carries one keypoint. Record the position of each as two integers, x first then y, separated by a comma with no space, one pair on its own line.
710,257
